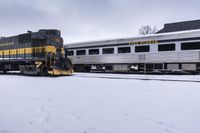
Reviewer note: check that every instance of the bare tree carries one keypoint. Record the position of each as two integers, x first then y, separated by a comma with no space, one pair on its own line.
146,30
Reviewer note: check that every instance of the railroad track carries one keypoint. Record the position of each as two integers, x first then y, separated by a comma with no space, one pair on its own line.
115,77
137,78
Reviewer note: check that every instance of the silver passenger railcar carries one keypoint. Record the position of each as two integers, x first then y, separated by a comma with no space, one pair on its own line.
177,52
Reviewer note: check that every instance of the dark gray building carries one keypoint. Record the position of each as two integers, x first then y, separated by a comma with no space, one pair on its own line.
180,26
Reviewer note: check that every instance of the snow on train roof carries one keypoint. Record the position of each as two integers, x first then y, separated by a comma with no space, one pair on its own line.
154,37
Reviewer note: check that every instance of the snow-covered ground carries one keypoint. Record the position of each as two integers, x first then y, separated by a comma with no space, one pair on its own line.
96,103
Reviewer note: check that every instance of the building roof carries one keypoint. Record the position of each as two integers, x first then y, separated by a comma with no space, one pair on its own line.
180,26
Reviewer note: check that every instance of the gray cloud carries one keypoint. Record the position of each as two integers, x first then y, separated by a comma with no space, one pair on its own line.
81,20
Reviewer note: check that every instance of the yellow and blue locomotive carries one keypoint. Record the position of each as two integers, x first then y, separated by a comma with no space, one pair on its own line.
35,53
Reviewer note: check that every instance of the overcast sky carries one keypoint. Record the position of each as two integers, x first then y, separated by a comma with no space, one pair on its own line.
85,20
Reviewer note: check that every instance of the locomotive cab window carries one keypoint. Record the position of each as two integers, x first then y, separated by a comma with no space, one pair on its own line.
166,47
142,48
53,32
81,52
124,50
93,51
108,51
190,46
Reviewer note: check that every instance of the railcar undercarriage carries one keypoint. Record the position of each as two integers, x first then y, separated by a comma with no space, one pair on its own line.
142,68
34,67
